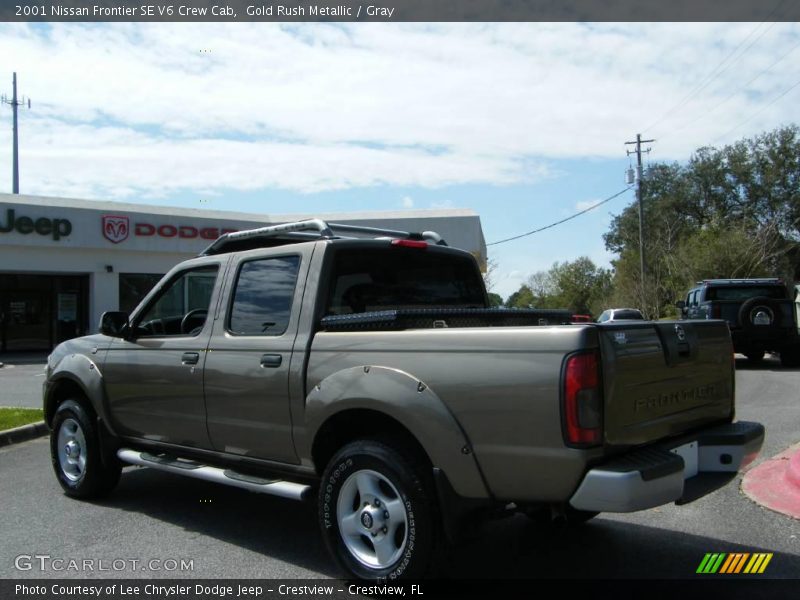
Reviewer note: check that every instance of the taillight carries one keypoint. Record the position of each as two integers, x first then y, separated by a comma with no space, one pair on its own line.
410,244
582,410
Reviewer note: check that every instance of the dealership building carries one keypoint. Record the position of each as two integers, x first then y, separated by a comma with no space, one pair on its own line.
63,262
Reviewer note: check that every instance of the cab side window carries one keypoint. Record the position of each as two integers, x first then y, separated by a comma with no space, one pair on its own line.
182,306
262,300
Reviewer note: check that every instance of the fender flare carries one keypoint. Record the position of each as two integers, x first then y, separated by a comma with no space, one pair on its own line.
410,402
80,370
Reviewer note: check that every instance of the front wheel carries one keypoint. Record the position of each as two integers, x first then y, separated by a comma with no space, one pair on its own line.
377,512
75,454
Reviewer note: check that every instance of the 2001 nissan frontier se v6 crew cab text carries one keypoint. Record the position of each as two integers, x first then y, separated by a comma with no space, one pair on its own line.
307,359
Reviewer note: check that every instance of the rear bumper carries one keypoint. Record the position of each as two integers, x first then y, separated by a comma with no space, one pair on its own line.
661,474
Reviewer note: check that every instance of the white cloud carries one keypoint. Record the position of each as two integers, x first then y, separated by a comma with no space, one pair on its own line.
584,204
138,109
408,202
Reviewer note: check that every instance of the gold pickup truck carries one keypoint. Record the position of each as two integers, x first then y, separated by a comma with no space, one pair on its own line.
363,369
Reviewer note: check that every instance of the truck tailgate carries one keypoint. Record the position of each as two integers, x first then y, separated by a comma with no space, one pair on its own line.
664,378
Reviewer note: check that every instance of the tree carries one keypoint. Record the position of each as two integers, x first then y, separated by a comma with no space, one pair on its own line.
522,298
729,212
495,300
579,286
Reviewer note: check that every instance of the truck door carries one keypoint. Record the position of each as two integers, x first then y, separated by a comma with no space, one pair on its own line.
248,366
154,379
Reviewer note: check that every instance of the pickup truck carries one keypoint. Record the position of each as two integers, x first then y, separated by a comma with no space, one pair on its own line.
759,312
363,368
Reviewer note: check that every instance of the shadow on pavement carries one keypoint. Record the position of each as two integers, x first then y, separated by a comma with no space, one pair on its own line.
601,549
514,547
282,529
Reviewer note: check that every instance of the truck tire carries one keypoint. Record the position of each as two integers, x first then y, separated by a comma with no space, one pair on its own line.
377,512
75,454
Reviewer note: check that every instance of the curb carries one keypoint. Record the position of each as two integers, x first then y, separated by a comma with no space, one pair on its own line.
23,434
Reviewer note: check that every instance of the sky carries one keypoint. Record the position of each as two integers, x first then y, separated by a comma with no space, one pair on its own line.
525,123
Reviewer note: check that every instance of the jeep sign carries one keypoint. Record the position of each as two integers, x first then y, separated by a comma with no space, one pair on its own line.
56,228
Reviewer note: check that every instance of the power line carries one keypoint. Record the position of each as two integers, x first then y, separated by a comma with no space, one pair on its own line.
732,94
758,112
577,214
719,69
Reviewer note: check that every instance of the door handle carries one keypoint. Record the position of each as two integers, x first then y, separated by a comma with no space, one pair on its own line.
190,358
271,361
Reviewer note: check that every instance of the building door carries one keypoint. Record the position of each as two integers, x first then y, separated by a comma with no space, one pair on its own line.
37,312
24,320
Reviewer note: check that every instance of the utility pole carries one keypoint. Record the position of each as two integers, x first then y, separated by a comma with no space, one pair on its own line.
15,160
638,152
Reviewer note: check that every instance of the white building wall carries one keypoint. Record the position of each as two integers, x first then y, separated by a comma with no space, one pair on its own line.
87,250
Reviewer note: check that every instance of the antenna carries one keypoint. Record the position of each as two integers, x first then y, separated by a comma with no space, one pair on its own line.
14,102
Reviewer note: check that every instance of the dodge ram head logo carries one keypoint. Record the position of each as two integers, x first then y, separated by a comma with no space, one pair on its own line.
115,229
680,333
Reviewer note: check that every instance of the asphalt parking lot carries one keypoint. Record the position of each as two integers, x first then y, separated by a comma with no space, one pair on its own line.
226,532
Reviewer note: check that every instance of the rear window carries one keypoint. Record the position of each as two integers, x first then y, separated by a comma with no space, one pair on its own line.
627,314
744,292
394,278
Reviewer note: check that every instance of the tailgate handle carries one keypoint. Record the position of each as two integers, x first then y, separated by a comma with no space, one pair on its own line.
271,361
190,358
684,350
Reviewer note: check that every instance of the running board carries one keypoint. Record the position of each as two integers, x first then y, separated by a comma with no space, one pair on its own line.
284,489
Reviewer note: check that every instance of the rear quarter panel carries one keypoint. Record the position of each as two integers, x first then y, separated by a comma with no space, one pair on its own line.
501,386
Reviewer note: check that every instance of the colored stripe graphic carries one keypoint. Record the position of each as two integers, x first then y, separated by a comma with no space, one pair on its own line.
711,563
734,563
758,564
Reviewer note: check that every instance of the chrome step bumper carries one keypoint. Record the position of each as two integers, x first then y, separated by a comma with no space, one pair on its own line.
284,489
658,474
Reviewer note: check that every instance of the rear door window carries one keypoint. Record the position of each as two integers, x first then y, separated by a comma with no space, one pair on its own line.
262,300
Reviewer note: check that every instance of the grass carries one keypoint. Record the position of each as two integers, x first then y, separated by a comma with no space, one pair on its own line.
16,417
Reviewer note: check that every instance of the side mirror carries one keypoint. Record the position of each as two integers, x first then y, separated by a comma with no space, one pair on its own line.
680,304
114,323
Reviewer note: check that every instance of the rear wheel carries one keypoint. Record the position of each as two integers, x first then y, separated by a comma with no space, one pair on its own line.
377,512
75,454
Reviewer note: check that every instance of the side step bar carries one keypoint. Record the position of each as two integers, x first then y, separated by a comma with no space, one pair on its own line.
284,489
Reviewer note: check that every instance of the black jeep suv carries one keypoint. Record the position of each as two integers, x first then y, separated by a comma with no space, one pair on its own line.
759,312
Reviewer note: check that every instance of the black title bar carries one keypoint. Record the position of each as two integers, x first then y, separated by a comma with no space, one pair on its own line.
400,10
